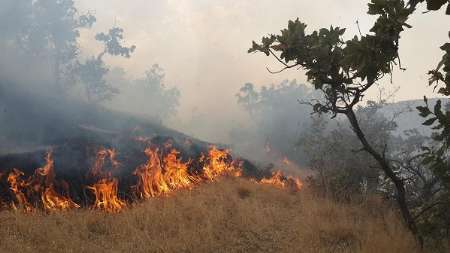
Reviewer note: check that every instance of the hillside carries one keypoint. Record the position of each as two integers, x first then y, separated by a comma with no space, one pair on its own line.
232,215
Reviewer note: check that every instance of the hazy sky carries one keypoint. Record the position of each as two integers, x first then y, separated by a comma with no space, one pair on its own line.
203,44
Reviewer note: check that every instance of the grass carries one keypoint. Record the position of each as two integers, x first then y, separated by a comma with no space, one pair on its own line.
232,215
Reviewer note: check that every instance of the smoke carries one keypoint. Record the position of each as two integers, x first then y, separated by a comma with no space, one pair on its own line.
201,49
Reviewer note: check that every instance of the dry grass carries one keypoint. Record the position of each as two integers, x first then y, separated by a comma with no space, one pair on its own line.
233,215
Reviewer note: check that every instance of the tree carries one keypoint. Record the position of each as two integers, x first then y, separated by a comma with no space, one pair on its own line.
48,31
92,72
343,171
157,98
51,28
344,70
437,157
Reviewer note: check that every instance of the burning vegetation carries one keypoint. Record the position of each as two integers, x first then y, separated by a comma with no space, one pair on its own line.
163,173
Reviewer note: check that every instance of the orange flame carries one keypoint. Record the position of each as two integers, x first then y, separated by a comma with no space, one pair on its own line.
17,185
217,165
163,173
159,176
279,180
106,188
150,179
42,184
105,191
50,198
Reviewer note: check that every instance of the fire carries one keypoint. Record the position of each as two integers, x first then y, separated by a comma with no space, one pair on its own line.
163,173
106,188
217,164
281,181
41,184
53,201
105,191
177,172
17,185
50,198
151,180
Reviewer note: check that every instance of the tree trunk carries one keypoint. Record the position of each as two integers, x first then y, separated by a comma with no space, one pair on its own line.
389,172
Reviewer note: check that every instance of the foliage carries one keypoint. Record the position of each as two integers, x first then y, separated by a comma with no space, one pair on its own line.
92,72
48,32
47,29
437,156
345,70
343,171
342,70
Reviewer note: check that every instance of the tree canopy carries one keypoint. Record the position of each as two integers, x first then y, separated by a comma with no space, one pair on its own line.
343,70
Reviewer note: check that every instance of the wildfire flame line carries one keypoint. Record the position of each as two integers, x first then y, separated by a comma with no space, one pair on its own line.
161,174
42,184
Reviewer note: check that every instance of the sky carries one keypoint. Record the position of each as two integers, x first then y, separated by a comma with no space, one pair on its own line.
202,44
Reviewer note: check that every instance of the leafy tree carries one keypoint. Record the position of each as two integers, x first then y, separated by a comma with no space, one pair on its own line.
437,157
343,171
344,70
92,72
49,29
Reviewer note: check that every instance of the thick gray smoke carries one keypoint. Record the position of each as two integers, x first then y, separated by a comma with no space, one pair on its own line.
51,90
63,61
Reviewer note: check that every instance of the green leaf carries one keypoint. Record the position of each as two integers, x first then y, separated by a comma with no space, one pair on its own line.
437,107
424,111
429,122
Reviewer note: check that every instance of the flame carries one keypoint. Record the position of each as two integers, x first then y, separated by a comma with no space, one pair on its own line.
106,188
52,200
217,164
162,175
105,191
279,180
17,185
176,172
164,172
42,184
151,182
